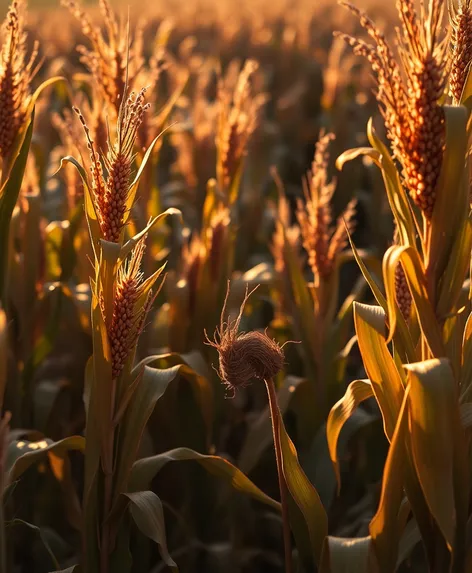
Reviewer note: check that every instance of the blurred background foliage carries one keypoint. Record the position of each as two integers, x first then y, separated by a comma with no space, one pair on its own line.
306,83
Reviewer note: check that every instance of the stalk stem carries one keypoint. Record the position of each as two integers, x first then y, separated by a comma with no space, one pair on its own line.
107,466
3,545
275,415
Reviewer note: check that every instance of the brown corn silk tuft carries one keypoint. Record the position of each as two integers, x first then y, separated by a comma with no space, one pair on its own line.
409,93
110,60
322,240
110,193
461,43
127,323
244,356
237,120
16,73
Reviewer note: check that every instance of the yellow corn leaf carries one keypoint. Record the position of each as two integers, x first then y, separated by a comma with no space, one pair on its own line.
439,447
449,215
303,493
466,363
397,197
357,392
384,527
386,380
134,185
403,341
414,273
131,243
456,271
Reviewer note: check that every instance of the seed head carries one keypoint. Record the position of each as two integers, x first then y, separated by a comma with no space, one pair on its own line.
127,322
461,46
110,193
244,356
16,74
109,60
409,94
322,240
238,118
402,291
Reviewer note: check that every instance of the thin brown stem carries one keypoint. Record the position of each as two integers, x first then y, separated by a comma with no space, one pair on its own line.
276,415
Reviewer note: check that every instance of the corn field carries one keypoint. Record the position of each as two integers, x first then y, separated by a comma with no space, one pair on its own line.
236,287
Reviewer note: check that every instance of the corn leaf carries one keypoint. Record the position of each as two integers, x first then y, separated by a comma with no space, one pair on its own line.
456,270
436,437
449,216
397,197
384,527
352,154
466,415
151,387
41,536
131,243
466,363
201,386
90,210
403,340
8,197
303,493
357,392
415,275
3,354
386,380
145,469
148,514
22,454
259,436
134,185
341,555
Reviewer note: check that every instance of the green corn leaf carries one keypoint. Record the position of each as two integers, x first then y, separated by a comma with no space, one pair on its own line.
145,469
41,536
187,365
148,514
151,387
